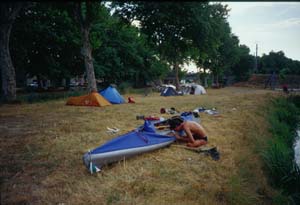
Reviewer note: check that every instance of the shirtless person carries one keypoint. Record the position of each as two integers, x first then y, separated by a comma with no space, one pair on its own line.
195,134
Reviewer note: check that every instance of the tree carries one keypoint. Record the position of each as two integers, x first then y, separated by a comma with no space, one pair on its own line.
123,54
49,47
85,14
227,56
179,31
8,13
165,24
277,61
244,66
273,62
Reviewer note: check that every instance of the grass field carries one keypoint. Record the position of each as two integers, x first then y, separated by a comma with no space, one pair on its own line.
42,144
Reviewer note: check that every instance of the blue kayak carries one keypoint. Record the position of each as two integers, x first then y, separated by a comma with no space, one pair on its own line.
124,146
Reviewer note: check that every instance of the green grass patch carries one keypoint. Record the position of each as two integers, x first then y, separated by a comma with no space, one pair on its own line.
278,155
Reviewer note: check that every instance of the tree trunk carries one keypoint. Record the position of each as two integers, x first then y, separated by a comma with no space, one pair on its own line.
85,21
7,69
176,68
88,60
8,13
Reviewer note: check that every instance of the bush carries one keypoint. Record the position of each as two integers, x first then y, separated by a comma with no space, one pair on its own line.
125,87
279,154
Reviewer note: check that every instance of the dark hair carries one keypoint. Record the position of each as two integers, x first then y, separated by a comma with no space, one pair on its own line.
175,122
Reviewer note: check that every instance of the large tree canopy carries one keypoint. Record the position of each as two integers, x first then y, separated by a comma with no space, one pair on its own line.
277,62
49,47
176,29
124,54
61,40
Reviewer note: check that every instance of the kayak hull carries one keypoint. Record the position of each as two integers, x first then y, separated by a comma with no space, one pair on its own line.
102,159
118,149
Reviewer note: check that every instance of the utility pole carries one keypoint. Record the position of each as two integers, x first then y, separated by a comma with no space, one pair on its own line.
255,68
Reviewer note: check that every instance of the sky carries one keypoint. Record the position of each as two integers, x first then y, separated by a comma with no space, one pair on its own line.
272,25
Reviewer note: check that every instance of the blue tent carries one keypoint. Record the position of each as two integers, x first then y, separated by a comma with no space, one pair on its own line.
169,91
112,95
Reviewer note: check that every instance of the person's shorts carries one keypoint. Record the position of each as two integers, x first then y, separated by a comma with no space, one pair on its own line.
197,137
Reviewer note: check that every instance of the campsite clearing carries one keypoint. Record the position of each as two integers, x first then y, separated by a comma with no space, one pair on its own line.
42,146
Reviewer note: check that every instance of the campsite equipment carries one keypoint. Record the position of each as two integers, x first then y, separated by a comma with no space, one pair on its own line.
92,99
193,89
199,109
208,151
196,114
211,112
152,118
172,111
190,116
213,152
184,115
125,146
162,110
131,100
169,91
148,127
198,90
140,117
112,95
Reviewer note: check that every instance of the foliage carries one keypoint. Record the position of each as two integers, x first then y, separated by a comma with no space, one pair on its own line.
242,69
279,154
279,63
45,43
178,31
51,45
124,54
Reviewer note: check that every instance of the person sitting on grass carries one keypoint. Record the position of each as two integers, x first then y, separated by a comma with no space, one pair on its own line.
195,134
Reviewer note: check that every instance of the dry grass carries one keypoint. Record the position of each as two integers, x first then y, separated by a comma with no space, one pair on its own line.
42,146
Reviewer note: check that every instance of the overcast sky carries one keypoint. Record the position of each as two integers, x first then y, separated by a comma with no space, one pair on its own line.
272,25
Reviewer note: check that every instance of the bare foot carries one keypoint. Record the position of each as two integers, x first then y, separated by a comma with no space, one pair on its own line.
197,143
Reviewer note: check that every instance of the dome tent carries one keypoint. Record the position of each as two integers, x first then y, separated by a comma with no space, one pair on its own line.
169,91
112,95
199,90
92,99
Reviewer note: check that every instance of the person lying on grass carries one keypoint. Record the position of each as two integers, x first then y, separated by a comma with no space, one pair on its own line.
195,134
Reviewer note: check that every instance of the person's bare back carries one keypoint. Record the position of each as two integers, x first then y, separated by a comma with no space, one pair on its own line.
195,133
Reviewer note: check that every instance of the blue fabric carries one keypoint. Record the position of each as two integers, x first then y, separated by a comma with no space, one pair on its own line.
112,95
187,116
148,127
132,139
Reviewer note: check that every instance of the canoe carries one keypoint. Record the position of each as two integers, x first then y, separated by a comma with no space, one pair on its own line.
130,144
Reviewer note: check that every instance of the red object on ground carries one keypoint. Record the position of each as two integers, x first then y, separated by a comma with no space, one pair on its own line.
131,100
151,118
162,110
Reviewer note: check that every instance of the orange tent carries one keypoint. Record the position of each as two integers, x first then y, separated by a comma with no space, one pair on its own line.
92,99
